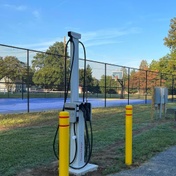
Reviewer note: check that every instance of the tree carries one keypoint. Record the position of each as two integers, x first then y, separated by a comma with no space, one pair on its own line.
166,66
2,68
13,68
111,84
143,65
170,59
170,40
14,72
89,81
143,80
38,62
96,86
49,68
154,65
134,82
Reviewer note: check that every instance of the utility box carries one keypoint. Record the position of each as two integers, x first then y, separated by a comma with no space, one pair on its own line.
161,95
160,100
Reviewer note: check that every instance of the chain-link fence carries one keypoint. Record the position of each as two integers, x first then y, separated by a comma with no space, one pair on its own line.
27,74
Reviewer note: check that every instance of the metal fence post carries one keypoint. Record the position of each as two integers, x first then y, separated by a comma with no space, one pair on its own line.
8,88
160,79
172,88
105,82
27,80
22,89
146,87
139,89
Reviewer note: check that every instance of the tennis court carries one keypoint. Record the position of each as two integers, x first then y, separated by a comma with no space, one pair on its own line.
16,105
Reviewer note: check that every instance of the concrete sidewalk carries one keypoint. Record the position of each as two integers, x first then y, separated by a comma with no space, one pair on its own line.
163,164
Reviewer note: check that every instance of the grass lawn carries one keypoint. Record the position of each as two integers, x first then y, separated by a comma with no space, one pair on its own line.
26,139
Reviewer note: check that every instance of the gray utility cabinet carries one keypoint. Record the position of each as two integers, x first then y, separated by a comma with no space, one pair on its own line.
160,99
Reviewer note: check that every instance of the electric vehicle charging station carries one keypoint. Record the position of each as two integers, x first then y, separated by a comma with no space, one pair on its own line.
78,165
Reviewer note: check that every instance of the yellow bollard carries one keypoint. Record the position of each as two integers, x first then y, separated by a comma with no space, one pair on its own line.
128,139
64,143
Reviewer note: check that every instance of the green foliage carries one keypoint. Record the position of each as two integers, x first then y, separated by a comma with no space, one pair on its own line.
154,65
96,87
167,66
170,40
12,68
38,61
92,84
2,68
111,84
49,68
89,80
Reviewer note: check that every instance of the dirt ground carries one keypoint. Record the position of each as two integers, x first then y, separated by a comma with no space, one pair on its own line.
52,170
105,160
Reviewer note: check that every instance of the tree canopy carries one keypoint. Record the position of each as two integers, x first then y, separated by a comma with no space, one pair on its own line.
2,69
170,40
89,80
143,65
12,68
49,68
167,64
111,84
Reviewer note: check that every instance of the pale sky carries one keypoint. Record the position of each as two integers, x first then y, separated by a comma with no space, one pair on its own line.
113,31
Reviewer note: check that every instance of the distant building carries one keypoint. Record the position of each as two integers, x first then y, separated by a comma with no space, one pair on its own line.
7,85
80,89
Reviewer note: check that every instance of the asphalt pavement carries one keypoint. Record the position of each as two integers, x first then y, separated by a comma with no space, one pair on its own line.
163,164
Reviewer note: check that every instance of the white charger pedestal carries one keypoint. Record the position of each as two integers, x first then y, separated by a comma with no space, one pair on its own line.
84,170
77,120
